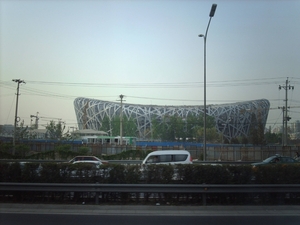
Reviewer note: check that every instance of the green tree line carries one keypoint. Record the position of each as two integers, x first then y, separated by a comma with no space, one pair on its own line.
169,128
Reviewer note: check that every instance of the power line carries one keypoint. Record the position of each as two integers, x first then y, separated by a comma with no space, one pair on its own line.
43,93
248,82
225,83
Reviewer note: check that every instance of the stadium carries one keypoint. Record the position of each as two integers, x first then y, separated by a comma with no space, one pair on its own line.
232,120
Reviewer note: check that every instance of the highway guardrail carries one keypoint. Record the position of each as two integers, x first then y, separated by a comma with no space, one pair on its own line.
149,188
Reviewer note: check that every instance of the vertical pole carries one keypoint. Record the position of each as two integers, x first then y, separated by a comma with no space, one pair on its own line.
283,130
204,199
204,118
211,14
37,121
16,121
18,81
286,118
286,110
121,120
97,198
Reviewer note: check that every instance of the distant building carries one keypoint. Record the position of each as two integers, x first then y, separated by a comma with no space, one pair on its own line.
296,127
38,133
277,130
89,132
7,130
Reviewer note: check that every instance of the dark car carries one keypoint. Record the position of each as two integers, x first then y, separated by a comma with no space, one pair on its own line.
276,159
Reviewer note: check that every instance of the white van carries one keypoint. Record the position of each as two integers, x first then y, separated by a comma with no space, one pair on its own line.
168,157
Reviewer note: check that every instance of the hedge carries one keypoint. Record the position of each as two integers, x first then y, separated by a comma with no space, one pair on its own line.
155,174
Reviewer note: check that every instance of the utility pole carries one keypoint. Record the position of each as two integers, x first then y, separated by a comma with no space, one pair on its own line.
283,130
18,81
121,120
286,118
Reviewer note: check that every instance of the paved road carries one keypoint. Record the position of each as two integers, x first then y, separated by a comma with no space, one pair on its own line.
138,210
67,219
49,214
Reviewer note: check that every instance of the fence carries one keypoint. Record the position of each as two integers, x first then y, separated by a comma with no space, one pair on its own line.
214,153
238,153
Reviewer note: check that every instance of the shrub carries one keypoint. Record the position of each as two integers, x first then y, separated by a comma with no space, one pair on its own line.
22,150
5,172
154,174
15,172
186,173
50,173
117,174
31,172
83,151
277,174
158,173
241,174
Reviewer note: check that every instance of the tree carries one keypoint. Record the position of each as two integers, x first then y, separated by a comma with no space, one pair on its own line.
106,125
256,131
128,126
172,128
176,128
272,138
155,127
211,135
234,140
261,134
22,132
244,140
56,131
165,135
194,124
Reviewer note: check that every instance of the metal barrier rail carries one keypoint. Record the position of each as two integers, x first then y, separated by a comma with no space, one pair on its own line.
133,162
194,162
151,188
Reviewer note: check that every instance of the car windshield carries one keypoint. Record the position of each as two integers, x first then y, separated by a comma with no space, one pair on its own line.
269,159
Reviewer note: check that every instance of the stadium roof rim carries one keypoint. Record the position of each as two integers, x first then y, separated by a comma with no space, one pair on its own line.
147,105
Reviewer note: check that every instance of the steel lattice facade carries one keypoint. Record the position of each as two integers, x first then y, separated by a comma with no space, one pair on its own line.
233,120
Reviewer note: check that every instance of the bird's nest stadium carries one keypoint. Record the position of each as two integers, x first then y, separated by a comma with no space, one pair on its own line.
232,120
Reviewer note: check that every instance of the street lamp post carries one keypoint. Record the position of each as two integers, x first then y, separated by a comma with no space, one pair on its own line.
211,14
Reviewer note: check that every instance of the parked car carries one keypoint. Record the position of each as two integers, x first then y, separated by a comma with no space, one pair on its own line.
276,159
168,157
95,163
87,159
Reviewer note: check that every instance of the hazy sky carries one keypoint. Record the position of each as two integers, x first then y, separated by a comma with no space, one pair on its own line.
148,51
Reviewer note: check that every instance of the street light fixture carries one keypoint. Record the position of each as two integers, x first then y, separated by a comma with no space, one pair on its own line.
211,14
